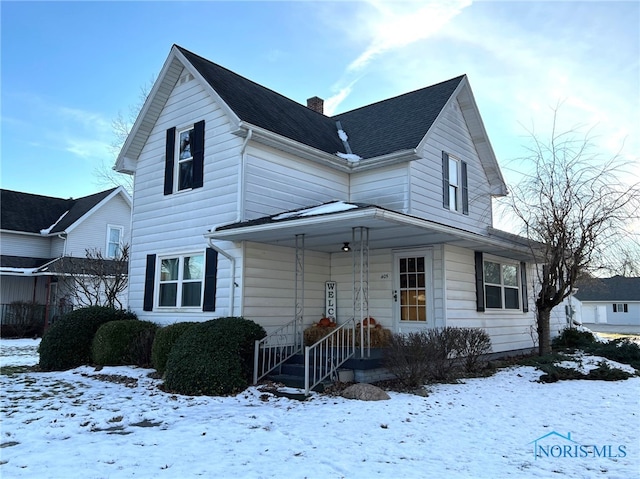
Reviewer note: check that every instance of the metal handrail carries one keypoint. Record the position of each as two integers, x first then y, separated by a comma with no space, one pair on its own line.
324,357
275,348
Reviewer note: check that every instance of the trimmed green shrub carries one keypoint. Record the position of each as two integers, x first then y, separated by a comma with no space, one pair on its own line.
124,342
163,342
213,358
67,344
571,338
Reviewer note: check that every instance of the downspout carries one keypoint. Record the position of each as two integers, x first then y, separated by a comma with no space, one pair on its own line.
239,217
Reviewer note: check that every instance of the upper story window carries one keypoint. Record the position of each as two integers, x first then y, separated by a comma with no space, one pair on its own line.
501,285
455,191
620,308
184,158
114,241
184,171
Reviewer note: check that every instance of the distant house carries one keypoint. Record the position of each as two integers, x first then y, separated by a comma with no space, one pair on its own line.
609,301
248,203
44,239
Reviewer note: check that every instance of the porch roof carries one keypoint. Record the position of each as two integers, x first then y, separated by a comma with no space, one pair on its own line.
327,227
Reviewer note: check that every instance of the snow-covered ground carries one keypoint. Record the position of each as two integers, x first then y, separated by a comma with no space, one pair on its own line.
116,423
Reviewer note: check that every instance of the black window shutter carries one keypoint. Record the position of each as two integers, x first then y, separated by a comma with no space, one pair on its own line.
479,281
614,308
149,281
523,280
210,275
465,188
169,160
626,308
445,180
198,154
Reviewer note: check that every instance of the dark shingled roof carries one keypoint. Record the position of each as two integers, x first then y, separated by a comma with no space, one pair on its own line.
618,288
31,213
388,126
7,261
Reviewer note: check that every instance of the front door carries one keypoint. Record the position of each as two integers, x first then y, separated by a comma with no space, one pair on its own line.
413,290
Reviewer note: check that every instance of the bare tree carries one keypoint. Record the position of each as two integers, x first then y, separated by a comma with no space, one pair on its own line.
96,280
121,126
576,210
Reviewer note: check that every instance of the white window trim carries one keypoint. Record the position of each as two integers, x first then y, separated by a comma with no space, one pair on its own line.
178,161
157,283
456,186
120,239
503,262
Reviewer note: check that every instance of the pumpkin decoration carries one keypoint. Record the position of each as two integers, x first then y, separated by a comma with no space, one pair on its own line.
369,322
324,322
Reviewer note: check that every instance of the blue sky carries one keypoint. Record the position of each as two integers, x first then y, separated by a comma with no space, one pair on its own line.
69,68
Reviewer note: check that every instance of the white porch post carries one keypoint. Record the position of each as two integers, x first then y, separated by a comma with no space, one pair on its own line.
360,258
299,286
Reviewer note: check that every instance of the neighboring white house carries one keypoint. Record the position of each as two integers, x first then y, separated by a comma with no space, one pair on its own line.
244,201
603,302
39,235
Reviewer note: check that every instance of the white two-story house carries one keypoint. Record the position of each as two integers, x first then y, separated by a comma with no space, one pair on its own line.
247,203
44,240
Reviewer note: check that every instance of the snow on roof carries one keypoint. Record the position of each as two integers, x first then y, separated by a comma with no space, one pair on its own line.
334,207
349,156
343,136
46,231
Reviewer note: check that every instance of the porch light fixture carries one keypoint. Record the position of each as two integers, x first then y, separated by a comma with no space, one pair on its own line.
345,247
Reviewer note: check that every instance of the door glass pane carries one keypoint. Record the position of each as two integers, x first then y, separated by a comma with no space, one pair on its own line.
413,293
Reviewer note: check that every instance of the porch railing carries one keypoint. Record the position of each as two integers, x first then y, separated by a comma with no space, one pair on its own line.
323,358
275,348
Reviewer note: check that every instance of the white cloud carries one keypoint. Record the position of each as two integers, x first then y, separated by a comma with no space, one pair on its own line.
392,26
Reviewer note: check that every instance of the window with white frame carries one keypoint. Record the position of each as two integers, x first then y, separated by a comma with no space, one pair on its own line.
114,241
454,184
455,187
184,171
501,285
180,282
620,308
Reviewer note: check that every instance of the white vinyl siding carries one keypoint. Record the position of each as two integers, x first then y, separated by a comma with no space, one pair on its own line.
34,246
385,187
163,224
91,232
276,182
451,135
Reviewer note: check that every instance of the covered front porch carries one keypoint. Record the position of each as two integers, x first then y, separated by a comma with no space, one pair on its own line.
384,264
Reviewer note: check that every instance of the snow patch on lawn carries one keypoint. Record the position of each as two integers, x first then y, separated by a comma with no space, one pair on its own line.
84,423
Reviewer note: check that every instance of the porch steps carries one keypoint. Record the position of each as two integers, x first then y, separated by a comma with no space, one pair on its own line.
291,374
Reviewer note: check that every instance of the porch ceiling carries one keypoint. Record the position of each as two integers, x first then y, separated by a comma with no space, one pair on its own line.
387,229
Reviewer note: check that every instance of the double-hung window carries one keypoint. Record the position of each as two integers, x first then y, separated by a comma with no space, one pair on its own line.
501,284
184,170
114,241
181,281
620,308
184,158
455,190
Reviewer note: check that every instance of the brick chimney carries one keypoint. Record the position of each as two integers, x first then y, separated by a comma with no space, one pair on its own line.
316,104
